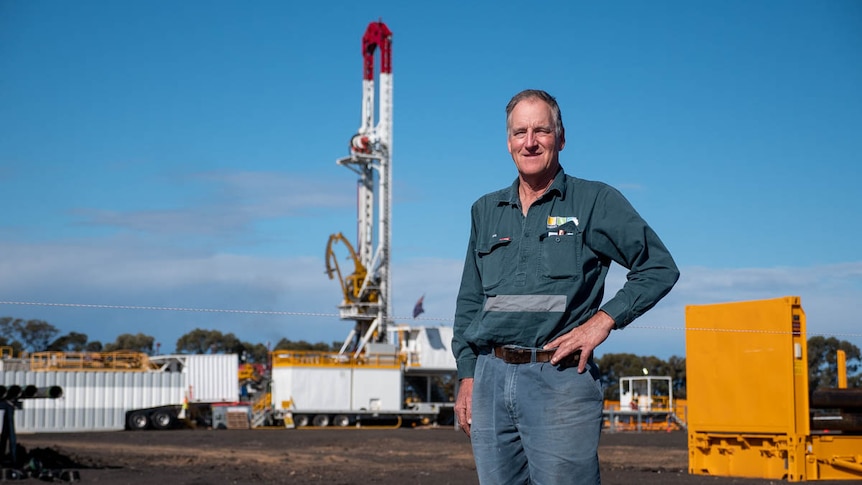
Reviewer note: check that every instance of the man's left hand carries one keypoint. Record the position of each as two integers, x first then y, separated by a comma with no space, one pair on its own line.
585,338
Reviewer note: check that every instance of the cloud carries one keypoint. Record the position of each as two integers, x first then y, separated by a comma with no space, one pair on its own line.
188,220
277,194
231,203
257,298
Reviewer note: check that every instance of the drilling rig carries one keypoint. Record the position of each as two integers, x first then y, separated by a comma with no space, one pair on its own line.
384,374
367,290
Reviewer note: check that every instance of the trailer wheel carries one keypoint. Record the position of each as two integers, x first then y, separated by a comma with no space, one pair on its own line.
341,421
300,421
162,419
321,421
137,420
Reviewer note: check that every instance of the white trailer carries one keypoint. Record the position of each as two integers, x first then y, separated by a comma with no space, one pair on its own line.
389,383
97,398
208,380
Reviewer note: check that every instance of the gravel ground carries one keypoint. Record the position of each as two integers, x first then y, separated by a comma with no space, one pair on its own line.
425,456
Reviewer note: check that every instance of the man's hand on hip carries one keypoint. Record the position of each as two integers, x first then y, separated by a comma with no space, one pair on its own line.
464,404
585,338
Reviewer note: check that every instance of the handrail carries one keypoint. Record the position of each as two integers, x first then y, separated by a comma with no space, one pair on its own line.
120,360
262,404
6,352
317,358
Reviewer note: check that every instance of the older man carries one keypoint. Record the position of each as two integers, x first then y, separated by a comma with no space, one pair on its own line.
529,311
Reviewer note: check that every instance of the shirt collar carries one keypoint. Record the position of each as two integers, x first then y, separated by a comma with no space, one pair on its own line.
510,196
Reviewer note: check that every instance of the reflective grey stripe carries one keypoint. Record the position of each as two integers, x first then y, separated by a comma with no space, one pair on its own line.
526,303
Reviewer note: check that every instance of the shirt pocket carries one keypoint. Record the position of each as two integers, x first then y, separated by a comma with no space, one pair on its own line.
492,260
561,252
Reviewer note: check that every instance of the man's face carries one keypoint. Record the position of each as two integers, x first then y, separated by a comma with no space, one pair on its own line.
532,140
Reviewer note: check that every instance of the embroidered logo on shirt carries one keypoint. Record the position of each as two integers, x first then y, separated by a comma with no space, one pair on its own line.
556,221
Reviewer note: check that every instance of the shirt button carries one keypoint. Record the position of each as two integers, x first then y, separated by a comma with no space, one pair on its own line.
557,239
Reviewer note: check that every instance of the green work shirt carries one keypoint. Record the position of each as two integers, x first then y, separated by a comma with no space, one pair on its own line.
528,280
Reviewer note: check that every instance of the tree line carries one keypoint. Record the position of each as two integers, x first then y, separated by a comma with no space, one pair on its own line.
38,335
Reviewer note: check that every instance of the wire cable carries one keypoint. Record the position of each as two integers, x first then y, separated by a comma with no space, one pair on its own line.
393,319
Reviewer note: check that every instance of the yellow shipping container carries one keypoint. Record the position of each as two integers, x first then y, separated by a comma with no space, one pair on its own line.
747,391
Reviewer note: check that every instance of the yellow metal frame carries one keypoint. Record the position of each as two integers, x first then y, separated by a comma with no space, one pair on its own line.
628,421
306,358
747,393
351,285
121,360
262,404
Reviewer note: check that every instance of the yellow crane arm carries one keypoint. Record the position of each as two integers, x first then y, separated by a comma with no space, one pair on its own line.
351,286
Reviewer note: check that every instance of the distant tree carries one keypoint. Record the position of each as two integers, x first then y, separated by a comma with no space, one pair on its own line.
94,346
677,372
8,326
228,344
15,345
138,343
8,334
285,344
615,366
195,342
823,362
35,335
256,353
71,342
200,341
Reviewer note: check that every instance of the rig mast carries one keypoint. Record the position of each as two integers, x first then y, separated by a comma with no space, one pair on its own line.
370,151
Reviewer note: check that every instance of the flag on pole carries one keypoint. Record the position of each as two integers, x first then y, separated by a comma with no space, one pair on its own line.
418,310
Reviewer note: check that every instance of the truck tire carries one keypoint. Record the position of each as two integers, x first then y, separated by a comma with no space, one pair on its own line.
341,421
321,421
300,420
138,420
163,419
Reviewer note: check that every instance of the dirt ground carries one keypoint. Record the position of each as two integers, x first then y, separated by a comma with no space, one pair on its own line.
424,456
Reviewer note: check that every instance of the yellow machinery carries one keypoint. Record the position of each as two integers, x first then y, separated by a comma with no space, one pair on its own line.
354,286
362,302
121,360
748,398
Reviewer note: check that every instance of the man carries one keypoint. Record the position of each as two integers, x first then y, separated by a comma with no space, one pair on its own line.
529,311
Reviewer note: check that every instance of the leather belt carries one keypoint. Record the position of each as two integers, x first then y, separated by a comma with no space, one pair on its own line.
519,355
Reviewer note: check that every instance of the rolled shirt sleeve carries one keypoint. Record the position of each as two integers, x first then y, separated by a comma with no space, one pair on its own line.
618,232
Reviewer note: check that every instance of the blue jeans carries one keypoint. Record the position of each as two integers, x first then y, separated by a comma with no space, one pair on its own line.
535,423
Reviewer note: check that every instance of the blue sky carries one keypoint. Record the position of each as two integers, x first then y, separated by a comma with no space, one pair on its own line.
182,154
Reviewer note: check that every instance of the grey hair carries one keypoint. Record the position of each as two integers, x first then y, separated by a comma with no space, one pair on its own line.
541,95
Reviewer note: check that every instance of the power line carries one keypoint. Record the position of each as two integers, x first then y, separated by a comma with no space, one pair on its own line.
433,319
199,310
